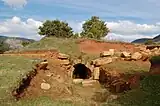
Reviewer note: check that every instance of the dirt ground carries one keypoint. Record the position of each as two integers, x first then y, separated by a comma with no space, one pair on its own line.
59,77
94,47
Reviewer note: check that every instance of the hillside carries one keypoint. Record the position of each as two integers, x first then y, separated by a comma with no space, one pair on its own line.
14,42
143,40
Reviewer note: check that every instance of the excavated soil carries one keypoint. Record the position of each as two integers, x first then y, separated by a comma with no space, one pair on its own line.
61,84
94,47
59,76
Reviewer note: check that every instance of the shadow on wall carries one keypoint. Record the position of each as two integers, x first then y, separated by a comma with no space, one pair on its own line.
81,71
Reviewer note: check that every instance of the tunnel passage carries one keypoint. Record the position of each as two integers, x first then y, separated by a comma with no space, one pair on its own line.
81,71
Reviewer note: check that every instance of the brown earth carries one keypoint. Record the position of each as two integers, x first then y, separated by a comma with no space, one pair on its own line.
59,77
94,47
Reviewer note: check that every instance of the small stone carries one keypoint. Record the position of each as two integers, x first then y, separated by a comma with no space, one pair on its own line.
43,65
77,81
49,74
89,82
125,54
102,61
96,73
63,56
107,53
45,86
65,62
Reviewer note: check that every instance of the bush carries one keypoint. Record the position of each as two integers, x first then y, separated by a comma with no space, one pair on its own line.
25,43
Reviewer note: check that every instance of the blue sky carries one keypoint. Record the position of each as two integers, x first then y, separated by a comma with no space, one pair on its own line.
127,19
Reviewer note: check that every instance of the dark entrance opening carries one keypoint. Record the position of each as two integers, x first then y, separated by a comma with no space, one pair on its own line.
81,71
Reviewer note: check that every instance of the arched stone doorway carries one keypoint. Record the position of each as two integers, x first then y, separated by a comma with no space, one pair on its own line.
81,71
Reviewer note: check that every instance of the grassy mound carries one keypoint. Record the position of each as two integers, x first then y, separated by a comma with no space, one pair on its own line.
12,70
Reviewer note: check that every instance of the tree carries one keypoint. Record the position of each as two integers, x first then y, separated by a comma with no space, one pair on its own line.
94,28
3,47
56,28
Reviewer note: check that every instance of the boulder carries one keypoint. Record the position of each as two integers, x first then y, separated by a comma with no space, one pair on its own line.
63,56
96,73
136,56
102,61
65,62
45,86
107,53
145,56
126,54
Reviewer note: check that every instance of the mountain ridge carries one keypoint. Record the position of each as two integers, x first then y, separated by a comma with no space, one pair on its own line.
144,40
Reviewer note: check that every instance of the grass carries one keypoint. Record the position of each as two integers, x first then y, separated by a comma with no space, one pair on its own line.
12,70
64,45
127,67
147,95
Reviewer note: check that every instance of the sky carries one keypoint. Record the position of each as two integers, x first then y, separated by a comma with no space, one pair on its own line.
127,19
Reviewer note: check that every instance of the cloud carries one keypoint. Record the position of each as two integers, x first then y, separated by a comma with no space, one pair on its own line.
15,27
15,3
120,30
128,27
126,30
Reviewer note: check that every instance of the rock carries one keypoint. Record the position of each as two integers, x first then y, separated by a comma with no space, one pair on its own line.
77,61
145,56
63,56
96,73
125,54
127,59
89,82
77,81
115,58
43,65
45,86
155,49
136,56
49,74
107,53
112,97
65,62
102,61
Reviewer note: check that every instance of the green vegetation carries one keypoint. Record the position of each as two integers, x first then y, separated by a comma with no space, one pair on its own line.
56,28
3,47
149,42
64,45
94,28
25,43
155,59
147,95
127,67
12,70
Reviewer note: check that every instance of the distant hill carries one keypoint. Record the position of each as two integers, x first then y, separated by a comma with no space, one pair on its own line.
143,40
15,42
